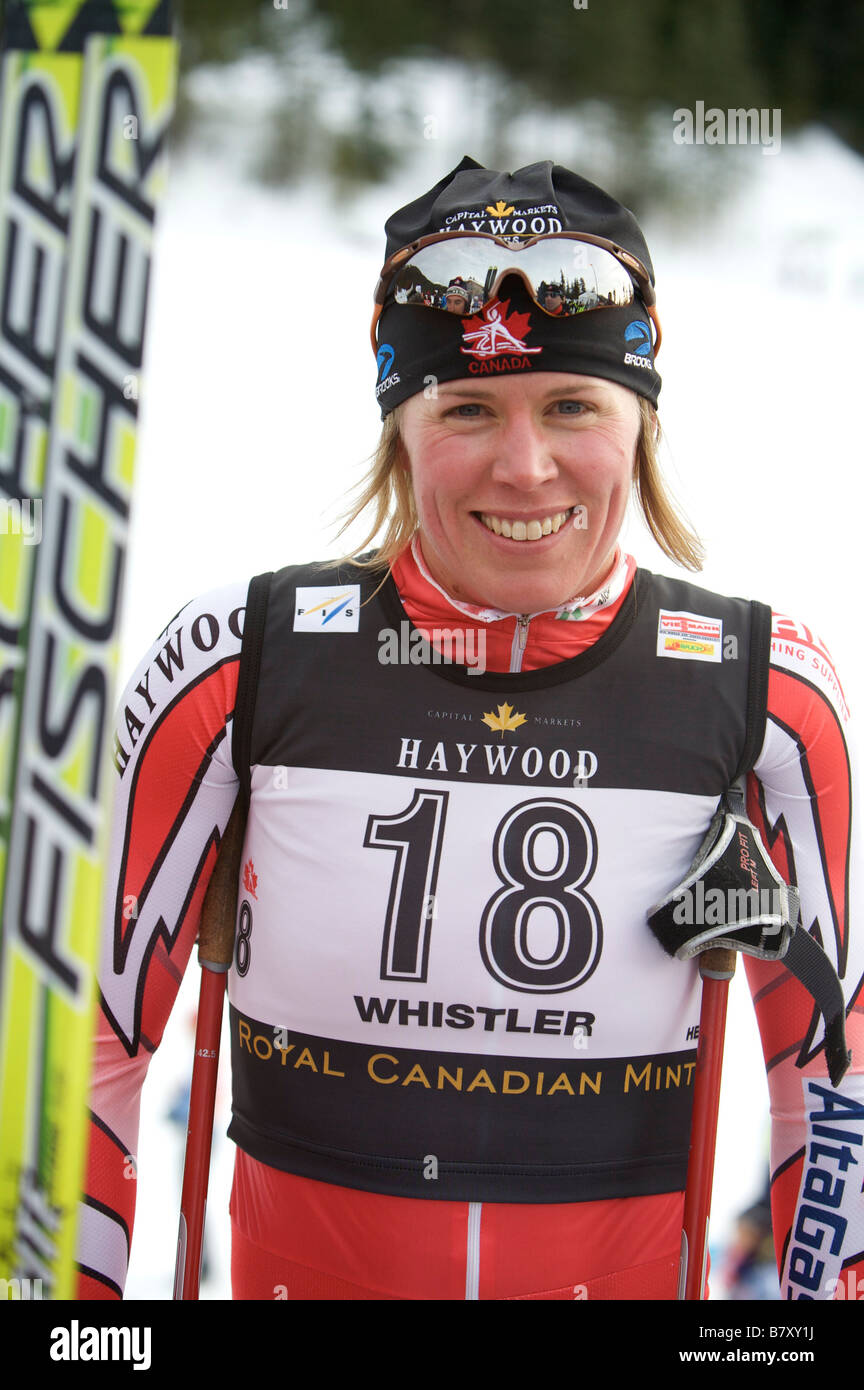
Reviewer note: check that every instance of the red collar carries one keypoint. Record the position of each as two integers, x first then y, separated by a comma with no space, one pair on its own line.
550,638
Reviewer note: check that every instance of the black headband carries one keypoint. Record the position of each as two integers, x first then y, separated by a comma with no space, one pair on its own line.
419,346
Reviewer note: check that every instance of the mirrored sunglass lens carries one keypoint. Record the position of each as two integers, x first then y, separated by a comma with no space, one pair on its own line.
585,276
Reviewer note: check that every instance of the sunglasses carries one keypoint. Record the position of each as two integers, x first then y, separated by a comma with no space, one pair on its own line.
589,273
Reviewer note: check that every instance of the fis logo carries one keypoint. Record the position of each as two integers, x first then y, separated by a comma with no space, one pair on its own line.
319,609
638,335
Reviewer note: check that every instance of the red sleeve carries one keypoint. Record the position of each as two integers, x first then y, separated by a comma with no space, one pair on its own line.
803,797
174,791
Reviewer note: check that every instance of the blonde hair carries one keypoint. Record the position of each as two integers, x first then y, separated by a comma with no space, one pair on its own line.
387,490
661,514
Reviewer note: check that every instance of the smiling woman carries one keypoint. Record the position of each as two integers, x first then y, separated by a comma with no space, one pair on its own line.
494,464
387,492
462,1063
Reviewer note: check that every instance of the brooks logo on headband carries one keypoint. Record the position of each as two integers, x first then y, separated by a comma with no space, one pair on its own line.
386,378
385,359
638,335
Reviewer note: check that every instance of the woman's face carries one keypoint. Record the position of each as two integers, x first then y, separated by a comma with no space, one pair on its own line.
511,455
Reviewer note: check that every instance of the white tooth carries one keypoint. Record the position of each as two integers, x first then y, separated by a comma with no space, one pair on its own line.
519,530
505,529
556,522
547,525
535,530
496,525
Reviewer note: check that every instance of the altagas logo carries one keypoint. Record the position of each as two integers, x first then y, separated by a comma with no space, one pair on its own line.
498,334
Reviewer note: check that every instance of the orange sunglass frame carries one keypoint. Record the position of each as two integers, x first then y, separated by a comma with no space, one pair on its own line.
631,264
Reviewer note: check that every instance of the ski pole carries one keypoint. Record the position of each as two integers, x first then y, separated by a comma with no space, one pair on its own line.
716,966
215,950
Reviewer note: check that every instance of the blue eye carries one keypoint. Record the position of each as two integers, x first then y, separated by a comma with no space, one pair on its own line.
571,407
470,406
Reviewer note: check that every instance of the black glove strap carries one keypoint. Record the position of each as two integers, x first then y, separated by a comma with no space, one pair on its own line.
733,896
809,964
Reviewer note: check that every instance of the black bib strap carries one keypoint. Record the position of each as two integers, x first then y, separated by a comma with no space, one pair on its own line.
247,681
757,688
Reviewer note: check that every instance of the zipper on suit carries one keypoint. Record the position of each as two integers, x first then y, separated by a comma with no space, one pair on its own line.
520,641
472,1253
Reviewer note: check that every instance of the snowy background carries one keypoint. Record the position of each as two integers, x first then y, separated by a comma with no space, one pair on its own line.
258,414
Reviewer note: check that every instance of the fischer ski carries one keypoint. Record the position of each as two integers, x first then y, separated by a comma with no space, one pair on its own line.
86,98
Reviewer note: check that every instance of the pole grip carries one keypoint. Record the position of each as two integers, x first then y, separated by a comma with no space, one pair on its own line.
216,929
717,963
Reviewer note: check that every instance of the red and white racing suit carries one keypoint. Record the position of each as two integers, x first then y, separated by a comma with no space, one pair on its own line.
298,1237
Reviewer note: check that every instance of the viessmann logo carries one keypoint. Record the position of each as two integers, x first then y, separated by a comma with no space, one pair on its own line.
689,636
319,609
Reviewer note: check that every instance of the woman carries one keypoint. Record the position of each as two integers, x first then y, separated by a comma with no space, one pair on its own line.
476,758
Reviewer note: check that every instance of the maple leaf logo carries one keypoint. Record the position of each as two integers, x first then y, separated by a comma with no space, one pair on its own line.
250,878
496,331
504,719
500,209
